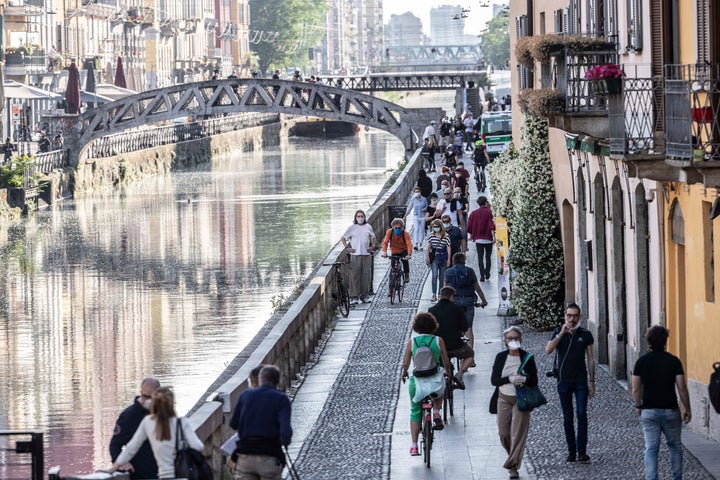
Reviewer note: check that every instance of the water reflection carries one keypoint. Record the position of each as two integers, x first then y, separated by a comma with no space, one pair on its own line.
170,276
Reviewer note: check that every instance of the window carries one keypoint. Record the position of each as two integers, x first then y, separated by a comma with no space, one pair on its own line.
524,74
559,21
709,252
634,26
574,17
703,30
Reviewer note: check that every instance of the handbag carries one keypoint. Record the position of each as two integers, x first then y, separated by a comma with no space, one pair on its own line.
528,398
189,463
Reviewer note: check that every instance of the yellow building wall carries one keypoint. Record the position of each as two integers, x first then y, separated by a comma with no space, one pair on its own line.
691,318
687,23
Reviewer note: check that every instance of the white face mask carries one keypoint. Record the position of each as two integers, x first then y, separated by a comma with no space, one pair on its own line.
360,220
417,194
146,404
513,345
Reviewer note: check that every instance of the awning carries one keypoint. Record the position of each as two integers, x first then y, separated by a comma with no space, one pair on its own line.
111,91
90,97
15,89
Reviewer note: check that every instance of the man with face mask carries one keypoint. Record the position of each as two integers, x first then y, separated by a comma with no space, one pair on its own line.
574,346
143,464
457,239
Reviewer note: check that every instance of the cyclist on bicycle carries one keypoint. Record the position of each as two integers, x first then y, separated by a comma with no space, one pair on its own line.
452,327
399,243
425,384
465,282
481,158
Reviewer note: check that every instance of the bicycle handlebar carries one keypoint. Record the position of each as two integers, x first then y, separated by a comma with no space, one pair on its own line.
334,264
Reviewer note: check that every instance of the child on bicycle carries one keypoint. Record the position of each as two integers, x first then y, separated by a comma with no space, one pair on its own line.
399,243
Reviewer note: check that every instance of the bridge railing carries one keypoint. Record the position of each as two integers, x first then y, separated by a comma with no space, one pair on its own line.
42,164
149,137
9,457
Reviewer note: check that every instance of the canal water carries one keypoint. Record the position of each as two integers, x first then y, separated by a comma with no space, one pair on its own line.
171,276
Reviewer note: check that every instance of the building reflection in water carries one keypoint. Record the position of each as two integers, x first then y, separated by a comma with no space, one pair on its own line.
171,276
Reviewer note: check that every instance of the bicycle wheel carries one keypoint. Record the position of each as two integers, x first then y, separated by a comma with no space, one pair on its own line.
393,280
343,299
451,401
400,288
427,438
446,399
483,181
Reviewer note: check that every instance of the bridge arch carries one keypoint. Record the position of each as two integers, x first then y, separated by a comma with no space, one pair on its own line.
236,95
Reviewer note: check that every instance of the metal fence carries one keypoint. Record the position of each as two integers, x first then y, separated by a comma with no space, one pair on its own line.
11,460
42,164
579,95
633,114
692,106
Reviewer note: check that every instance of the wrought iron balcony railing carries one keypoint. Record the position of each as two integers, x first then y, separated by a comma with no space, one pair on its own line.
692,108
579,94
634,113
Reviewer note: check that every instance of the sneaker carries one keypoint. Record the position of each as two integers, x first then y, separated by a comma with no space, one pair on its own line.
414,451
584,458
365,300
434,298
407,278
514,473
439,425
460,385
570,458
415,247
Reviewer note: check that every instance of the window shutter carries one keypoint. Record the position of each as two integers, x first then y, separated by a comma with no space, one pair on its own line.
634,34
657,56
703,30
611,28
559,24
566,21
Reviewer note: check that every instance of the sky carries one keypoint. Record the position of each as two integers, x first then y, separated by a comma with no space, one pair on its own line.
477,17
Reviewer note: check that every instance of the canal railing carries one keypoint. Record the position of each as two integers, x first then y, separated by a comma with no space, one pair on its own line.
10,457
293,339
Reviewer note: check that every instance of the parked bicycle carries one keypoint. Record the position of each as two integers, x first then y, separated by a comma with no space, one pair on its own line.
396,284
340,295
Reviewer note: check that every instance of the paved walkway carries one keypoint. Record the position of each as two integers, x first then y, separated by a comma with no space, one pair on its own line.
351,414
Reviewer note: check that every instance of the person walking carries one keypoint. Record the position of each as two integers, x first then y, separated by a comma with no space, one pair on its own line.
469,123
262,420
425,184
464,281
655,377
160,429
425,325
438,255
143,464
359,241
8,149
397,242
431,140
443,177
481,230
513,425
451,328
574,346
416,208
457,239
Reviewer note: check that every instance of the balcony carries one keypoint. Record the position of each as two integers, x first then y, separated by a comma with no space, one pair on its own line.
692,106
637,125
586,110
21,63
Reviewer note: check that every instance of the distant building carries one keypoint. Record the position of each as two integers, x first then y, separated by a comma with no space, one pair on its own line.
404,30
447,25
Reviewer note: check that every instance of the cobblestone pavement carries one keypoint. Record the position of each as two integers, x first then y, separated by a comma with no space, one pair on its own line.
354,428
615,438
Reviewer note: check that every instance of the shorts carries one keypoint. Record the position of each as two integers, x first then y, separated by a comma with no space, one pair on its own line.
462,353
469,310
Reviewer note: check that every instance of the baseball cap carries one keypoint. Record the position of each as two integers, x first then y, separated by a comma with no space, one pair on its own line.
433,122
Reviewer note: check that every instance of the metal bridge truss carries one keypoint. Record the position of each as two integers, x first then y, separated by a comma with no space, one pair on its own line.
409,81
458,54
218,97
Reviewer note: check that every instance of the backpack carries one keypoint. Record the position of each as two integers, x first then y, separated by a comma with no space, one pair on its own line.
714,387
424,360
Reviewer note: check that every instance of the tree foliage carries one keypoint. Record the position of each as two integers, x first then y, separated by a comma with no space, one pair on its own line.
496,41
282,31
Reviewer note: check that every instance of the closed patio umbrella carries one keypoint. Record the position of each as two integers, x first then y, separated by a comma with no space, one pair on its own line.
120,74
15,89
90,81
72,93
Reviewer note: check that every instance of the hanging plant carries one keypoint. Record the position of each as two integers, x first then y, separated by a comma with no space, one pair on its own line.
523,53
583,43
542,47
543,102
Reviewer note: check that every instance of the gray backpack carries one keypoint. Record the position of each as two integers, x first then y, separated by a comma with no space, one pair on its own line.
424,360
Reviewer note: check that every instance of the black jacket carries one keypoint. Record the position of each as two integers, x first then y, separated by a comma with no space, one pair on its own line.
497,380
127,423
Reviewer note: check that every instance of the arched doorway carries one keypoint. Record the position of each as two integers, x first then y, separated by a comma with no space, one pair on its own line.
618,348
582,267
600,264
676,264
568,238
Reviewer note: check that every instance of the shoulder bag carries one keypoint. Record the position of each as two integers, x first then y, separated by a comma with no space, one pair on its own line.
528,397
189,463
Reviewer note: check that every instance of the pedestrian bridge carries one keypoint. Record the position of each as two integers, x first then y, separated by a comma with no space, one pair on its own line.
236,95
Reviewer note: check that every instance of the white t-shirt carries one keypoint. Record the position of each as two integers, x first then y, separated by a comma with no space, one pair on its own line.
511,367
163,450
469,124
430,133
360,237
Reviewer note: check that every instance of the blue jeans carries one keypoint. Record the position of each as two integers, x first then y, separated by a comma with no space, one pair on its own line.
656,421
438,275
566,389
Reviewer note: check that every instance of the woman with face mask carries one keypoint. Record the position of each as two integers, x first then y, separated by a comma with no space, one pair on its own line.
438,255
359,241
416,208
512,424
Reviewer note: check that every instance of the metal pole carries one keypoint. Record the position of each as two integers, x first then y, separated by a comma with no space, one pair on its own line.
38,458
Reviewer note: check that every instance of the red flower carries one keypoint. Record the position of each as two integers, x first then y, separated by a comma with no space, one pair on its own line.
601,72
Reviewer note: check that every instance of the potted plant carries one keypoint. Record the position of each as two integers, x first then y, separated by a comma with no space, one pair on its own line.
522,52
607,78
543,102
542,47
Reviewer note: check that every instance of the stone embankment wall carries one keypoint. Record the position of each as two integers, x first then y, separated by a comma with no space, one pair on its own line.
292,340
97,173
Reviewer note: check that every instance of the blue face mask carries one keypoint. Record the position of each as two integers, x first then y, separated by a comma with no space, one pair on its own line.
397,231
